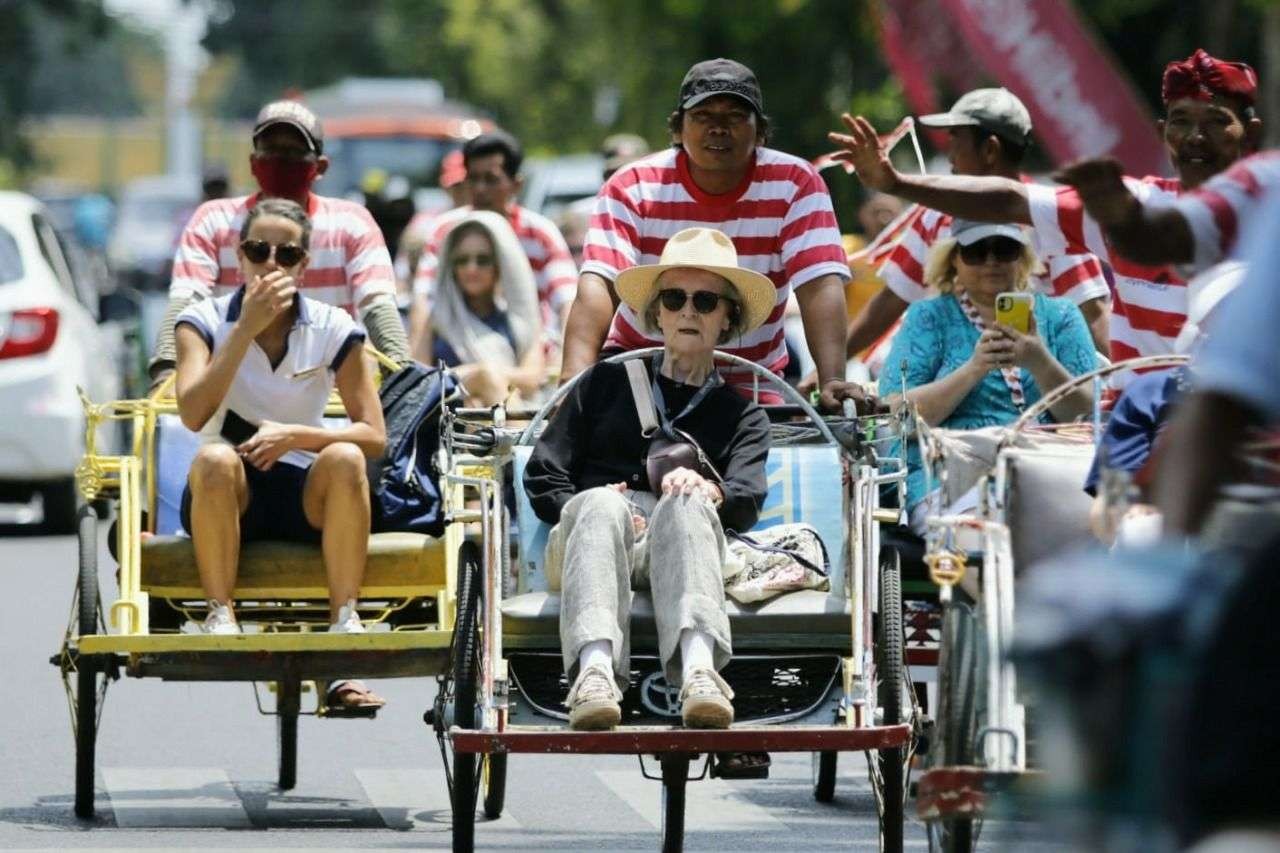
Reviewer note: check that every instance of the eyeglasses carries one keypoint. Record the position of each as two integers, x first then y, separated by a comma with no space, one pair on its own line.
704,301
287,254
482,261
1003,249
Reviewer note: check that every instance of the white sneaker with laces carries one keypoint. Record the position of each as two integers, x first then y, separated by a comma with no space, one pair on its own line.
220,620
593,700
348,620
704,700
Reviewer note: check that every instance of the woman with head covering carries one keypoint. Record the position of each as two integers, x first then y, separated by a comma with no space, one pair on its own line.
486,323
623,521
963,370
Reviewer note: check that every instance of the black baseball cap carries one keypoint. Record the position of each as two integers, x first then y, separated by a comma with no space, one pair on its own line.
720,77
295,115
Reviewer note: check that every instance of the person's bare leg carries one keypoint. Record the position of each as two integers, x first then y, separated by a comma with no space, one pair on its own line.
336,501
219,494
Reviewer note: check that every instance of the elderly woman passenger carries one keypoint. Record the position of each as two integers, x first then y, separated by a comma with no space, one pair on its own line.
486,324
614,529
961,368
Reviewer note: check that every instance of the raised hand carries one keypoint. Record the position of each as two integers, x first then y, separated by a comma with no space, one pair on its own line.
266,298
1023,350
862,149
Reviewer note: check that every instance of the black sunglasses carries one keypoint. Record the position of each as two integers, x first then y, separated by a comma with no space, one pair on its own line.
287,254
482,261
1003,249
704,301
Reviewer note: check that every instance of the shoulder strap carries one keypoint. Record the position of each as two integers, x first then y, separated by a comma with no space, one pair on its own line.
643,396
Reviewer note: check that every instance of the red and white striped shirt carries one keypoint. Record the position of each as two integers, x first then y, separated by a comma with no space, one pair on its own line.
349,259
1149,305
1218,210
553,267
779,218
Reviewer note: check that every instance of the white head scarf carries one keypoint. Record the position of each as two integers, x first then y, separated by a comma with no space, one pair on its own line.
516,296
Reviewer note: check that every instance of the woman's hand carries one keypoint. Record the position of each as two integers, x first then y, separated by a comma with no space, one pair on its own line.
992,352
683,481
269,443
1023,350
266,298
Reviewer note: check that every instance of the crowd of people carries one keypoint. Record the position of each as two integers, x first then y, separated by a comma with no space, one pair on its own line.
711,244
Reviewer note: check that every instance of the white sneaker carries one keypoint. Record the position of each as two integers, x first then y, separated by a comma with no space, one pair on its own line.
220,620
348,620
705,700
593,700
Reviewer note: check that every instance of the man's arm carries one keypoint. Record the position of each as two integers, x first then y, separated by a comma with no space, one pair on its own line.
588,323
875,318
1199,457
1097,316
381,318
165,356
982,199
1146,235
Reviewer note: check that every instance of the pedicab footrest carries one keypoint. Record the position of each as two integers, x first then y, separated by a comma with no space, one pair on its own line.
646,740
961,792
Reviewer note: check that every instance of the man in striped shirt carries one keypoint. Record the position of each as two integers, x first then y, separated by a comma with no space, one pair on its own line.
1209,124
492,161
350,267
989,132
774,207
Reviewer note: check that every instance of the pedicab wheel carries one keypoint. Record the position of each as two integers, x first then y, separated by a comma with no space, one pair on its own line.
891,672
466,650
957,712
86,673
494,782
824,775
675,775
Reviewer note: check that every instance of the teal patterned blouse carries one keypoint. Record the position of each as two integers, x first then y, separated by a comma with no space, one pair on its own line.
936,339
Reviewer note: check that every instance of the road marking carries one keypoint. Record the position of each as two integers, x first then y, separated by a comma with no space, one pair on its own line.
711,805
168,797
417,799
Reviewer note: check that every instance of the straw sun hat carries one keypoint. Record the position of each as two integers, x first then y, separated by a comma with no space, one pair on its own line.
703,249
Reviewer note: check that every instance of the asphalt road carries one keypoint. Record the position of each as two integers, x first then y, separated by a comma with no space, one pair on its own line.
191,766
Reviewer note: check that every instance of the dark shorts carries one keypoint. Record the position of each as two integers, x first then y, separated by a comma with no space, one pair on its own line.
275,505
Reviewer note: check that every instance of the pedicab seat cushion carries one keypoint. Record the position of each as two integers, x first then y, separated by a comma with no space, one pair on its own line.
399,565
799,613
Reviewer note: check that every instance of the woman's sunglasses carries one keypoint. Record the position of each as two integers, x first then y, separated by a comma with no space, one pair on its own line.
482,261
1003,249
704,301
287,254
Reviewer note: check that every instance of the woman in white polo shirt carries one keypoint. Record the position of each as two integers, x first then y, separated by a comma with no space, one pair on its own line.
255,369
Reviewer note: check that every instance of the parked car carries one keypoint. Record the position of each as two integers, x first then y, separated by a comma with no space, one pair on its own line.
50,343
150,217
553,183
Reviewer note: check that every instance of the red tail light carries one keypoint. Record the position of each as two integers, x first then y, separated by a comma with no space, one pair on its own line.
27,332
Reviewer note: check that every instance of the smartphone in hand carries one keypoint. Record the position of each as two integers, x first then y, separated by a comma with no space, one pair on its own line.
1014,310
236,429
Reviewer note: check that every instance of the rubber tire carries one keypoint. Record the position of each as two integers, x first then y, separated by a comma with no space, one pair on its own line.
824,776
675,775
957,679
465,684
891,671
287,732
495,789
61,507
86,673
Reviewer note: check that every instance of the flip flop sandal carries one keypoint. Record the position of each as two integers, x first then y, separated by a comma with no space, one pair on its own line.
741,765
352,698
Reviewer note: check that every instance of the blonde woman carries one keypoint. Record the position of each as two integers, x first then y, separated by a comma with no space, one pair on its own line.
486,323
960,368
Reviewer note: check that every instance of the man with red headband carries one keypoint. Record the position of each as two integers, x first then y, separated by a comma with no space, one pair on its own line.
350,267
1208,126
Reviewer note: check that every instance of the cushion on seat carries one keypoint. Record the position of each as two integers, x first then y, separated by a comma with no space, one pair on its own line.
1047,509
804,612
400,565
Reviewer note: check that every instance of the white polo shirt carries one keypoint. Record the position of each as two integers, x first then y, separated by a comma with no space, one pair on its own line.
297,389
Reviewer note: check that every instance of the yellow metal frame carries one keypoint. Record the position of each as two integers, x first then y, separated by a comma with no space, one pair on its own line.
131,480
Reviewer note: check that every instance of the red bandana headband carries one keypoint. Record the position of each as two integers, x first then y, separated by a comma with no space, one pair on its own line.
1202,77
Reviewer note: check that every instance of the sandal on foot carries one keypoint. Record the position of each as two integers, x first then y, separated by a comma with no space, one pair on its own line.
352,697
741,765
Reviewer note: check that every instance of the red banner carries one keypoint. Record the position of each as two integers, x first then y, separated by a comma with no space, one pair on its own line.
1080,104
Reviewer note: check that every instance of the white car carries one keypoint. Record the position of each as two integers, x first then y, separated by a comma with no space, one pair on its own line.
50,342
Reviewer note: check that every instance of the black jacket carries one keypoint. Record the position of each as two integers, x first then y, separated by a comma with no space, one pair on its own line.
594,439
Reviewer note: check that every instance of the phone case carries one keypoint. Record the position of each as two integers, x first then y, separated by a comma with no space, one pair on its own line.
1014,310
236,429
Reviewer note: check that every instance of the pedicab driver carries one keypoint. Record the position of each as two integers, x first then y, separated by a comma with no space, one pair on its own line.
254,373
620,524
